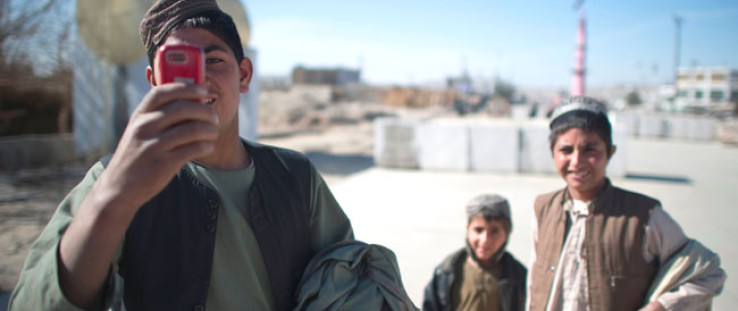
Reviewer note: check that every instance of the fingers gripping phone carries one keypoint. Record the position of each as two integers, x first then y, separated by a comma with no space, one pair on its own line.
181,63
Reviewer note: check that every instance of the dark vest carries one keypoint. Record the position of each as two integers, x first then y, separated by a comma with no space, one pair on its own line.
511,284
168,250
617,273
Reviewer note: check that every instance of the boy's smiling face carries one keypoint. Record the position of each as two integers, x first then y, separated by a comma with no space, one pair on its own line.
485,236
581,158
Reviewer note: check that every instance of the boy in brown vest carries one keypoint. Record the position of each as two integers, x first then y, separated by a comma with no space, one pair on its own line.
599,247
482,275
185,215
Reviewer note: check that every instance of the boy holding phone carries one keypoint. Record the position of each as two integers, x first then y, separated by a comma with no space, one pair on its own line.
185,212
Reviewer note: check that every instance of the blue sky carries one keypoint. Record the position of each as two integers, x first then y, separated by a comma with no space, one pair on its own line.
528,42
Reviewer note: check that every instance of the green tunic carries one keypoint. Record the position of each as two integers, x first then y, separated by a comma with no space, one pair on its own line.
239,280
478,289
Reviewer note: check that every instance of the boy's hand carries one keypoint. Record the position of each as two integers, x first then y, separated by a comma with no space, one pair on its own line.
168,129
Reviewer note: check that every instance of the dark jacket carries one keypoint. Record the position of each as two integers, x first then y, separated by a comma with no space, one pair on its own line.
512,283
168,249
355,276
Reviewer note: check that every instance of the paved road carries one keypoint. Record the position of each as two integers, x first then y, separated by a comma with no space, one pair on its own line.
420,214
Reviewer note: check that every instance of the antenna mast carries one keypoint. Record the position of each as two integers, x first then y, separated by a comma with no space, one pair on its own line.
579,77
678,20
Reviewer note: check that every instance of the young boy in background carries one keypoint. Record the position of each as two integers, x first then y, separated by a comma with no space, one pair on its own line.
482,275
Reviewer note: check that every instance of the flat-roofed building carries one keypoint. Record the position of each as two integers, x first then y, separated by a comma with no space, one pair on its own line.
706,87
329,76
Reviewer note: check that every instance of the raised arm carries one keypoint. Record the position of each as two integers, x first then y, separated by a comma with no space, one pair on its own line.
168,129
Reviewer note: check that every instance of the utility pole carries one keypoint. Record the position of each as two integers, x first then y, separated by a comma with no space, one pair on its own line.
678,20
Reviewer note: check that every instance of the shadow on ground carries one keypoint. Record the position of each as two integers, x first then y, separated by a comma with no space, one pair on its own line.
660,178
340,164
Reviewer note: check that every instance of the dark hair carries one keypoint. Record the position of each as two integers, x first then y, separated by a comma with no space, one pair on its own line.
216,22
585,120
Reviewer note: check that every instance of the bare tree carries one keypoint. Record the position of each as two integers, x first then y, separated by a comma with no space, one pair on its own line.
35,31
35,75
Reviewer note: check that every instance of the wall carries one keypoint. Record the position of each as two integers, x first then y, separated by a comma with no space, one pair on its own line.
30,151
475,145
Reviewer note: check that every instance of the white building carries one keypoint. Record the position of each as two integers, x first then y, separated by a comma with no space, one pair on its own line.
706,87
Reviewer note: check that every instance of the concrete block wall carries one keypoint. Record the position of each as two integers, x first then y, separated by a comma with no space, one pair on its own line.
667,126
31,151
618,165
494,147
535,154
513,146
395,142
702,129
443,146
628,121
476,146
676,127
652,126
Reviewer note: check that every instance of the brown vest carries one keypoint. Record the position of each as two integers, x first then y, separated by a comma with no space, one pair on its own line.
618,276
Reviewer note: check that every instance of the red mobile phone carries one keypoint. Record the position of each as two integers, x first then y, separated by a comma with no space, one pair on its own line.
181,63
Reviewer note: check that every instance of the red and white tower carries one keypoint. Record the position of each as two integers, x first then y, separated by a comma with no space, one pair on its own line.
578,79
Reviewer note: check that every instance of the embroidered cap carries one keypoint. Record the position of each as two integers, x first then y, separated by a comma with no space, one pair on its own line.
579,103
166,14
489,205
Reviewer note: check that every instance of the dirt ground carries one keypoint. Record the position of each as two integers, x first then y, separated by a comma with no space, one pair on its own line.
28,198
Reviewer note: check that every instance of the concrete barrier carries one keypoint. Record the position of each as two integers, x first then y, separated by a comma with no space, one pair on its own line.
476,145
701,128
494,147
30,151
628,121
395,142
444,145
677,127
652,126
535,153
618,166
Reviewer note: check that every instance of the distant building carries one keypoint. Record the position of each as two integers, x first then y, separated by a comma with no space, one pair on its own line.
336,76
706,87
274,82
